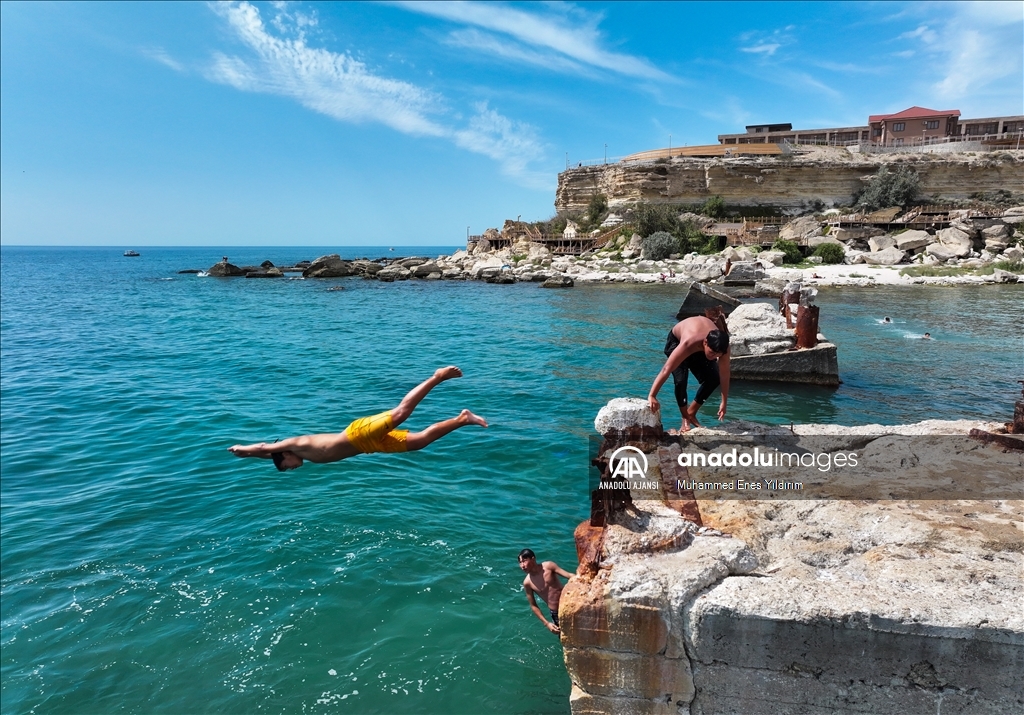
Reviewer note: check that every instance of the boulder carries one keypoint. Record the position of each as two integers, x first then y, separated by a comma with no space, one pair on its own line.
393,273
271,272
330,266
815,241
803,227
940,252
706,272
1014,215
1001,276
453,274
502,278
757,329
955,239
744,273
266,264
1014,253
489,261
887,257
995,245
911,240
538,252
998,231
225,270
558,282
880,243
192,271
849,234
773,258
623,414
422,270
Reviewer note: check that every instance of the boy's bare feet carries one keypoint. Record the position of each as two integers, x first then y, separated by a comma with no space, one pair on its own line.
468,418
447,373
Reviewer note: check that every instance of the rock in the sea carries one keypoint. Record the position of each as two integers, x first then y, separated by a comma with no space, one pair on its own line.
886,257
271,272
558,282
956,240
394,273
505,278
911,240
266,264
1001,276
225,270
424,269
757,329
192,271
330,266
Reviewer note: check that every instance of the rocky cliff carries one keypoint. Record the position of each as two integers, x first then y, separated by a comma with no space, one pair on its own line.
798,605
794,182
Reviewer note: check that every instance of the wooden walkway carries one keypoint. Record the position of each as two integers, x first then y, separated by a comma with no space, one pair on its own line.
558,244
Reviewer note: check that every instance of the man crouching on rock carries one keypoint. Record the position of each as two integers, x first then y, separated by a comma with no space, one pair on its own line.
699,345
542,579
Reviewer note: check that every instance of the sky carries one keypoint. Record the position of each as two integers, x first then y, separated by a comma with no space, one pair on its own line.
399,123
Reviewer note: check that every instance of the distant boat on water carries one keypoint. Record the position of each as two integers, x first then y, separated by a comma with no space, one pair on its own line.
131,254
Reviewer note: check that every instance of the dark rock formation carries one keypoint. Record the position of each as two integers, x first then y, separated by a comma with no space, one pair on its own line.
328,267
558,282
225,270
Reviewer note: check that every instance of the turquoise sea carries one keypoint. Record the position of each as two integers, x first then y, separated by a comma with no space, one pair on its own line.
147,570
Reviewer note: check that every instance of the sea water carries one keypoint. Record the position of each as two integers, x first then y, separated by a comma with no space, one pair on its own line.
146,569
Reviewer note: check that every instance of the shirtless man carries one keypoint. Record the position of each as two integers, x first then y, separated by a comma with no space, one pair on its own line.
699,345
365,435
542,579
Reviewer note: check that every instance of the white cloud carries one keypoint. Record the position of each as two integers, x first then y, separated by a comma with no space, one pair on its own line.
923,32
160,55
341,87
573,36
493,46
766,48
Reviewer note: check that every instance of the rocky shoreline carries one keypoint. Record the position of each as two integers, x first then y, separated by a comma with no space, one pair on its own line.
954,252
684,603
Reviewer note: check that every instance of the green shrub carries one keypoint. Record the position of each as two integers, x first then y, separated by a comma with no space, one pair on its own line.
598,205
651,218
659,245
1011,266
713,207
790,249
891,188
830,253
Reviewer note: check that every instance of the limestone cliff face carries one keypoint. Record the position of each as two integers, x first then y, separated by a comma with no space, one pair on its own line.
795,182
799,605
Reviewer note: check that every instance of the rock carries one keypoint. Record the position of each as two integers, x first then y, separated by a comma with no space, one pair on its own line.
271,272
758,328
879,243
411,262
422,270
330,266
1014,253
773,258
224,270
1014,216
504,278
744,273
956,240
887,257
1001,276
192,271
558,282
911,240
266,264
995,245
706,272
803,227
435,276
489,261
394,273
810,366
369,268
940,252
815,241
625,413
538,252
849,234
998,231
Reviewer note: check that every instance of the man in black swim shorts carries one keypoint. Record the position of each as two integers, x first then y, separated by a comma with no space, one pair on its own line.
699,345
542,579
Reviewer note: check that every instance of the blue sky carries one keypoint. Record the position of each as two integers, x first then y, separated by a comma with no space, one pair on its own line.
404,123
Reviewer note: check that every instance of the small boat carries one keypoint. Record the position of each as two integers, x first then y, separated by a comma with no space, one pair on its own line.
131,254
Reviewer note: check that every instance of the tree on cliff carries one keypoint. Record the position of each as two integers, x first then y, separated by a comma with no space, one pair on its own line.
891,188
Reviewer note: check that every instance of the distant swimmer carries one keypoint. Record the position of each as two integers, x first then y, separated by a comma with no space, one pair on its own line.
699,345
365,435
542,579
886,319
926,336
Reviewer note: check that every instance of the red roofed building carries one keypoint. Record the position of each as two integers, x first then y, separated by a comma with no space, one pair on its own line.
916,125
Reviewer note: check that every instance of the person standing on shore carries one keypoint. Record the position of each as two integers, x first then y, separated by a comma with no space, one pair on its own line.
365,435
699,345
542,579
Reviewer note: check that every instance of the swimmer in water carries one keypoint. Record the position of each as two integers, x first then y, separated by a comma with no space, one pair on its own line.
542,579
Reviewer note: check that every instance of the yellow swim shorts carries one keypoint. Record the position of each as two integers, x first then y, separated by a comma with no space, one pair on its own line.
375,434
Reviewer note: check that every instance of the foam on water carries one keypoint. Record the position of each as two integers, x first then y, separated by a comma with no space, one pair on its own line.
147,569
